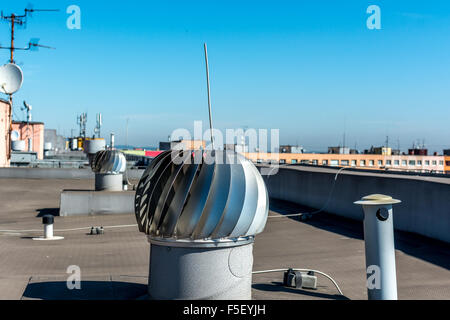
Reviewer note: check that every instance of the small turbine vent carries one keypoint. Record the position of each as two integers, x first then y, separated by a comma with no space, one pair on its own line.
109,162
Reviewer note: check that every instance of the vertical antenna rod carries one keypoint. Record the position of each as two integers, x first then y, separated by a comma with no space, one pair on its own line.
13,21
209,96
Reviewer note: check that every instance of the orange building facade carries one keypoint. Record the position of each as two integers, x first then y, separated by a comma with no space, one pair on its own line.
447,164
435,164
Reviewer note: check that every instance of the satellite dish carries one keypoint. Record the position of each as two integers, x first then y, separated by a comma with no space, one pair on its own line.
15,135
11,78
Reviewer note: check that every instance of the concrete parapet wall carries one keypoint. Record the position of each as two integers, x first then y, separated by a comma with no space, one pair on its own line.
425,207
45,173
79,203
57,173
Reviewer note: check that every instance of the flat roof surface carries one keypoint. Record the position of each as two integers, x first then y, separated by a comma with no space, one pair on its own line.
115,265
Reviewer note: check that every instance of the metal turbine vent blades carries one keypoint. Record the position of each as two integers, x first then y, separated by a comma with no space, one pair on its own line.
11,78
109,162
198,195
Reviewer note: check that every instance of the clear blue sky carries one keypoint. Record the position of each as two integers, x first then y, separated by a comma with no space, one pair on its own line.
309,68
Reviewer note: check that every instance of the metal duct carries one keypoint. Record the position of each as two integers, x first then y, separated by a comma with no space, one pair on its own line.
109,162
201,195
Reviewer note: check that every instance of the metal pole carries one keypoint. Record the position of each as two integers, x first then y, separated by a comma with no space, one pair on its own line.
112,141
127,134
10,126
209,97
13,17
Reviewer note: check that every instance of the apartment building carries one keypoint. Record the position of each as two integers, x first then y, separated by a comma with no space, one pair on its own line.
412,163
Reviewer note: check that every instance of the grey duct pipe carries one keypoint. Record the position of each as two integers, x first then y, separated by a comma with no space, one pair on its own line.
379,244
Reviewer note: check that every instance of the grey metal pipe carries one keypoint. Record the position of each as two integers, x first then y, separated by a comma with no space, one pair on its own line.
379,245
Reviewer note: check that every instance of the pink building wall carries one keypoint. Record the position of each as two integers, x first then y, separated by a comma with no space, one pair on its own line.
4,133
34,130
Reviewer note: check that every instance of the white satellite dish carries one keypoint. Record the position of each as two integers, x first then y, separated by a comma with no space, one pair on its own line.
15,135
11,78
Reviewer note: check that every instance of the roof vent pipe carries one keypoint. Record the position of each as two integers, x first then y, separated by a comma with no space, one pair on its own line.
380,250
109,166
48,221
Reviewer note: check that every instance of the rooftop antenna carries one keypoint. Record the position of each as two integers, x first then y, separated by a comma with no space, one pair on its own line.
345,129
11,78
81,121
28,108
21,20
98,126
209,97
126,137
33,44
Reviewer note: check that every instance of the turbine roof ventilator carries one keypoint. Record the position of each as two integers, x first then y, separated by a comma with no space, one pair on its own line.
109,162
201,195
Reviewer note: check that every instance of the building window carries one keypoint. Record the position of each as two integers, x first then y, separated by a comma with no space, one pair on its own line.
396,162
334,162
371,163
362,163
353,163
324,162
434,162
419,162
294,161
389,162
344,162
404,162
315,162
380,163
441,163
447,163
412,162
282,161
427,162
304,161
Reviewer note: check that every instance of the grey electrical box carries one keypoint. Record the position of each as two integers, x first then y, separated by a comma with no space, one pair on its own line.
297,279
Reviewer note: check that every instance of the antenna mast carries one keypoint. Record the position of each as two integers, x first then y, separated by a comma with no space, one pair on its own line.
81,120
21,20
209,97
98,126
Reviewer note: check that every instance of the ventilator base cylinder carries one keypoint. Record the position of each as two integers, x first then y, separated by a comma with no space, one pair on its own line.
108,182
211,271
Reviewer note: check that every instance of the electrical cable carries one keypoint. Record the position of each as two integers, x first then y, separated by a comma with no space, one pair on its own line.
69,230
318,211
302,270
